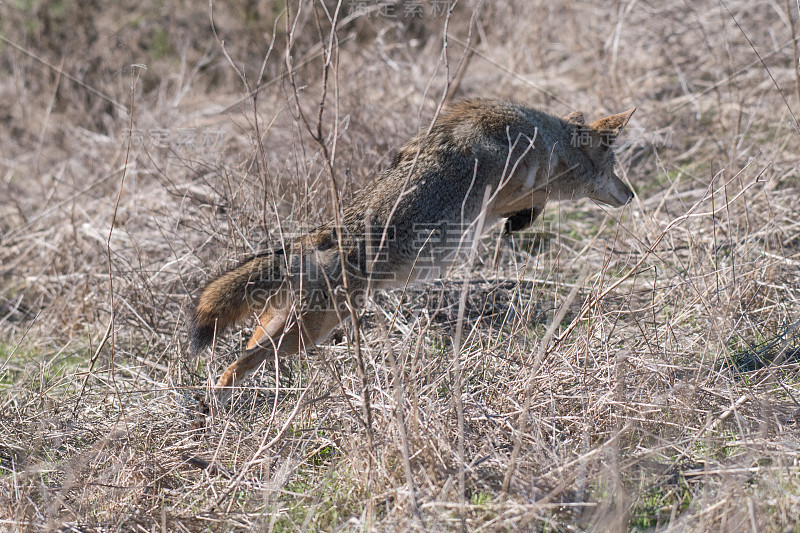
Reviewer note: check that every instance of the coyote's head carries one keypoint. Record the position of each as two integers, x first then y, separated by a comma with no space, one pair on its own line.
595,141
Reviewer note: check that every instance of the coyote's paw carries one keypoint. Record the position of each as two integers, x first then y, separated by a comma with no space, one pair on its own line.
201,411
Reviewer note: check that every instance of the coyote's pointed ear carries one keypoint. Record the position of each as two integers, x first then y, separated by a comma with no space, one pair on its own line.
576,117
610,126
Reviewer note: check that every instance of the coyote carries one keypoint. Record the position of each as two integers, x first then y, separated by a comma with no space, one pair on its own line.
481,161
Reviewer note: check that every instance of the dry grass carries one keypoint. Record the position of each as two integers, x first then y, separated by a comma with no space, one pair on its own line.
667,397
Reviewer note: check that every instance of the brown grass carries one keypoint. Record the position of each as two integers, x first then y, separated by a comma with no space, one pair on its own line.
666,397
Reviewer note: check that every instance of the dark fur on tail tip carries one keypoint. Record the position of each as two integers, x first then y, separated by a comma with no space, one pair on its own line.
201,335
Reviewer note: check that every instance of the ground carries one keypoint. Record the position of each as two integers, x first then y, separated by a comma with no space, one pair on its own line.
606,370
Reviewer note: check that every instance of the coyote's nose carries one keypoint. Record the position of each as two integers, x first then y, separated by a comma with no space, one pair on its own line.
619,196
630,197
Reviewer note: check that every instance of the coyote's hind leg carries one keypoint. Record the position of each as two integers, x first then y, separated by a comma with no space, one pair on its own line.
272,335
268,337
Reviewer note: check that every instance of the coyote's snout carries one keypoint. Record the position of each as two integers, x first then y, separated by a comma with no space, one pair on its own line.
482,160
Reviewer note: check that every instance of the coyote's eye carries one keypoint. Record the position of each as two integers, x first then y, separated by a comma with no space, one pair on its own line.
611,161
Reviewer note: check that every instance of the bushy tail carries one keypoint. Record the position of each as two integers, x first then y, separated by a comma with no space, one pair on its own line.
234,295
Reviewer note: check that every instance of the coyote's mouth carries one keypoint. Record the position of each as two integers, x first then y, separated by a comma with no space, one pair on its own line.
615,194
